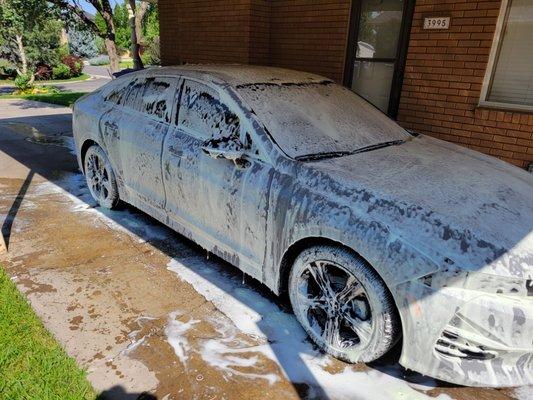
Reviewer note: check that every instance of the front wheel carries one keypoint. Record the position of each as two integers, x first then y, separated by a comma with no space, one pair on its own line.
100,177
343,304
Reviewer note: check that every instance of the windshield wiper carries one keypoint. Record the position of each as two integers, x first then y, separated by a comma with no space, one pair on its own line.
337,154
321,156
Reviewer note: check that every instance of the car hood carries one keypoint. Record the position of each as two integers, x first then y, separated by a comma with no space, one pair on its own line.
442,199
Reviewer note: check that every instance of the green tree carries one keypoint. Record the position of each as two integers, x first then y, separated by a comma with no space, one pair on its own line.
151,24
19,20
122,29
44,44
107,30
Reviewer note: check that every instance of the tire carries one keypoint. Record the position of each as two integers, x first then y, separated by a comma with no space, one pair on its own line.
100,177
343,304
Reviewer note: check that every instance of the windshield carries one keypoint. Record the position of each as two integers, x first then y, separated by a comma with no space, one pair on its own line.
319,118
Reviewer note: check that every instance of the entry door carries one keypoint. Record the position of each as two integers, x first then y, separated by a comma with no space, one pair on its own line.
377,47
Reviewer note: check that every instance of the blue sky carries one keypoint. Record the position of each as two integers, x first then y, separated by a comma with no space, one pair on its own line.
87,7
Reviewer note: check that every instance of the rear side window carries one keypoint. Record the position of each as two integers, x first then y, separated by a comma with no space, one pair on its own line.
155,99
150,96
204,115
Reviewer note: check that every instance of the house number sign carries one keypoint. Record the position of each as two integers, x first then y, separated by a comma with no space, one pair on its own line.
437,23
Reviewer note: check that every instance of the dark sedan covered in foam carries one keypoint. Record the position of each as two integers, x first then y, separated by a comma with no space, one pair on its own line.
377,235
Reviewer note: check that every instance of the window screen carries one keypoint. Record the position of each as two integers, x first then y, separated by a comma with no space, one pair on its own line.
203,114
512,75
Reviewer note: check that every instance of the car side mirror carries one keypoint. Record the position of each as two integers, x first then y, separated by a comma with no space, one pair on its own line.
229,150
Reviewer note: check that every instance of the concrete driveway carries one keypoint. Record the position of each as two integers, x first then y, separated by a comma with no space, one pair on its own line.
145,310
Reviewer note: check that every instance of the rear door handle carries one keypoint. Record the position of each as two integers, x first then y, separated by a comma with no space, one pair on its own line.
175,151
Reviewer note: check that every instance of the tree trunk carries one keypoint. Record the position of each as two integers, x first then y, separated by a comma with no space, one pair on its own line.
140,13
135,47
112,52
22,54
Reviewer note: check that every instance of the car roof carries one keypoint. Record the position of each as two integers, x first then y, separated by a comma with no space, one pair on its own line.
237,75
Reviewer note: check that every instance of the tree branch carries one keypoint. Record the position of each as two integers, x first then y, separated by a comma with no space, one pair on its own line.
78,11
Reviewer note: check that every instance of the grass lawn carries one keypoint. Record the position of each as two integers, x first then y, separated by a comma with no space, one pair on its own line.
63,98
82,77
125,64
32,365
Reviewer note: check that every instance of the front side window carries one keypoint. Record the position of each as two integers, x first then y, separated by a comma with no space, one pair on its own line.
509,79
204,115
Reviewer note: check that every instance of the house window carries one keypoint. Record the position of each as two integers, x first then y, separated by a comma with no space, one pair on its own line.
509,78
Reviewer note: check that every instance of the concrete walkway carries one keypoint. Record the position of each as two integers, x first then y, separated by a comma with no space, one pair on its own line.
145,310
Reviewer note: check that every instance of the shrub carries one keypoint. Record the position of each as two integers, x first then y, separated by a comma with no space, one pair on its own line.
100,60
24,81
43,72
75,65
62,71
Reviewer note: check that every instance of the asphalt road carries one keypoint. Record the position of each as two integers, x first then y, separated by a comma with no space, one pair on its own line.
99,76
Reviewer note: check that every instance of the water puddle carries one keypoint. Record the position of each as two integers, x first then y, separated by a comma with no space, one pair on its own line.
34,135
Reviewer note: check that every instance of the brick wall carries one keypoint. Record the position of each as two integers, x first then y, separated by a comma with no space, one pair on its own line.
442,84
299,34
310,35
200,31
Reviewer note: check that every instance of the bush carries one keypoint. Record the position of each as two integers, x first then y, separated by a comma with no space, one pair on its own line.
75,65
43,72
100,60
24,81
62,71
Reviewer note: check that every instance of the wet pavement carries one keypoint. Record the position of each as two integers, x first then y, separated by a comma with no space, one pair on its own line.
145,310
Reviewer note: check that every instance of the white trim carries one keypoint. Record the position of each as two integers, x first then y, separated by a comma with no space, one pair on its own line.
505,106
491,65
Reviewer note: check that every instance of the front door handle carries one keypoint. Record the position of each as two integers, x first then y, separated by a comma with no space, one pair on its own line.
110,128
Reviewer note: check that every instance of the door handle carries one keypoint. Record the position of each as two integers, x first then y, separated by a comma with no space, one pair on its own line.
110,128
175,151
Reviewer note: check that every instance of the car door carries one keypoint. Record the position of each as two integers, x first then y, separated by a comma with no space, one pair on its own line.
222,205
144,124
181,151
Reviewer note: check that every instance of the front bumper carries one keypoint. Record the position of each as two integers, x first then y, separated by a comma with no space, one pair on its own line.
467,337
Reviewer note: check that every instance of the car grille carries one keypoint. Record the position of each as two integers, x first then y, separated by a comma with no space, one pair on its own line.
451,344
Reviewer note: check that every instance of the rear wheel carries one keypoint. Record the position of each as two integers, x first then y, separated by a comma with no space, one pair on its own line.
343,304
100,177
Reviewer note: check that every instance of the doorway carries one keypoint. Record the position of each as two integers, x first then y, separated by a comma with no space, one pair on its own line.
377,48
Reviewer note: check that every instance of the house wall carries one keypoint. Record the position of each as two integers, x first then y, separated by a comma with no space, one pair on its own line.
310,35
444,70
205,31
443,78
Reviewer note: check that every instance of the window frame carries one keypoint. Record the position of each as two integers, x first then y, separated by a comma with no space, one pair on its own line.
177,123
246,124
174,85
497,42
